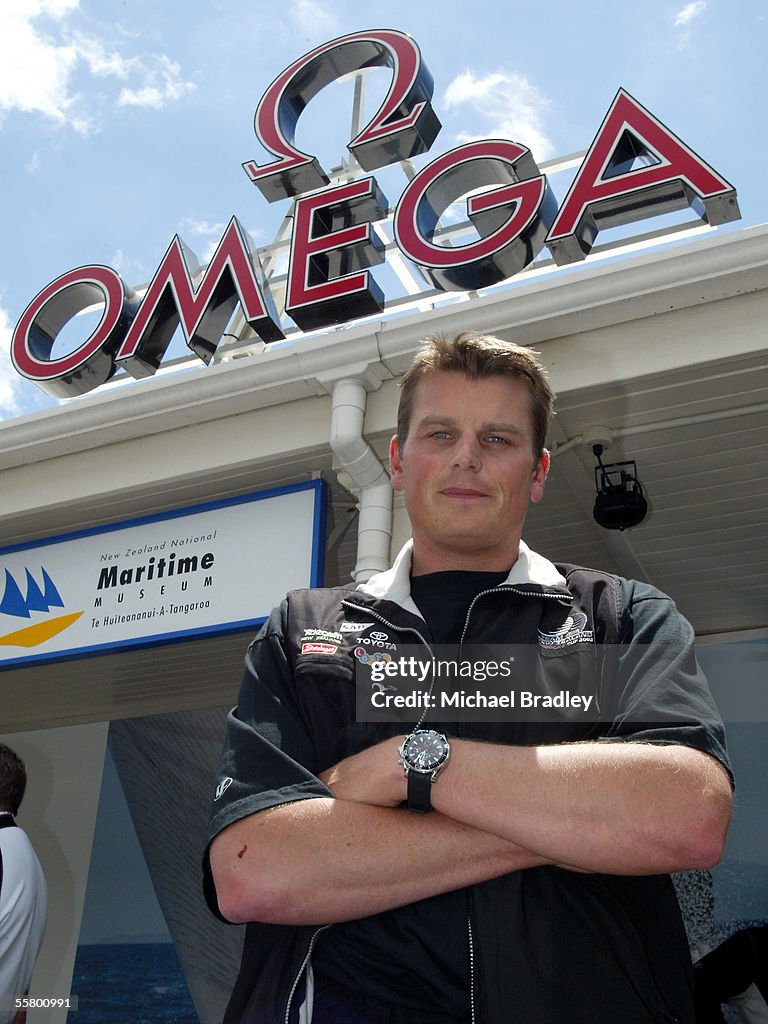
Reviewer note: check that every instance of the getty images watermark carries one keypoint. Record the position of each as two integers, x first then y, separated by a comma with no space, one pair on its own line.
498,683
523,683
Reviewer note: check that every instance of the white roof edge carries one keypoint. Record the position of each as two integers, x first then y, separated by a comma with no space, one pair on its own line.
728,263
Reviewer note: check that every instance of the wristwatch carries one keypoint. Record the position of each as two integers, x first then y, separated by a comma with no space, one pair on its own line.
423,755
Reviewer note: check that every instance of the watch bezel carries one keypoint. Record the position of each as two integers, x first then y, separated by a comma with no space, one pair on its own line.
433,770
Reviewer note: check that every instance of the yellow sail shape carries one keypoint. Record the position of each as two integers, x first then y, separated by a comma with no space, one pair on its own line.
33,636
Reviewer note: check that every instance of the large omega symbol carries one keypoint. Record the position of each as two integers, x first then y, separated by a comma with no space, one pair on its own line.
404,125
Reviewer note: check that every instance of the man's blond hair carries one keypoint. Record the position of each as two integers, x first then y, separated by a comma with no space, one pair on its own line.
480,356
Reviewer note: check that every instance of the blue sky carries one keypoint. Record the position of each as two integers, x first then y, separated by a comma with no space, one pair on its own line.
124,122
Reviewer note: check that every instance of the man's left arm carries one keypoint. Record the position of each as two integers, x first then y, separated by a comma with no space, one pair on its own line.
626,808
653,795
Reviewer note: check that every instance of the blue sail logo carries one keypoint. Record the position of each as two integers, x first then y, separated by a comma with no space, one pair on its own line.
39,597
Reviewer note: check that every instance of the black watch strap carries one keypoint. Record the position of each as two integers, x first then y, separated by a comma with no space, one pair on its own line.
419,791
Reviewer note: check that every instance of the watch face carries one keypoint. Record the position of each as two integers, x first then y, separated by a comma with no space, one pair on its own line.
425,750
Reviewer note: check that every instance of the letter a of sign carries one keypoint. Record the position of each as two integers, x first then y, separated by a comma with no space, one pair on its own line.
403,126
635,168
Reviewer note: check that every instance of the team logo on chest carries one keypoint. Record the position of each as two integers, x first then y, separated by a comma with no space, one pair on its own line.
571,632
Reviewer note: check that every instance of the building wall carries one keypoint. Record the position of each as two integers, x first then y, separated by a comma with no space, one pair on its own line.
635,343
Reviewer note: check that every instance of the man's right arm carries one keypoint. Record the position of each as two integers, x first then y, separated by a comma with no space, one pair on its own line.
287,852
322,860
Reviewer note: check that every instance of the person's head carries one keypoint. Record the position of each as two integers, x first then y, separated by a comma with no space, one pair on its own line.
480,356
469,454
13,780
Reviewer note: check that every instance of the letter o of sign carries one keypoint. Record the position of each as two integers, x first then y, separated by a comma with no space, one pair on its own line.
404,125
91,363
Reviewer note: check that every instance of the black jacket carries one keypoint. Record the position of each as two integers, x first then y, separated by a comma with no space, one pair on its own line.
549,945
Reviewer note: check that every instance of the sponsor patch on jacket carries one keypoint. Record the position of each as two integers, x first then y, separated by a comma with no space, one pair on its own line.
355,627
312,635
379,639
222,787
313,647
366,657
571,632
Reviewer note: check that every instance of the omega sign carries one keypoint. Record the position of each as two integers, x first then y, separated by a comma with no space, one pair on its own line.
635,168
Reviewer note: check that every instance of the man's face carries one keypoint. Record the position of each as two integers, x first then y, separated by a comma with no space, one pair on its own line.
468,471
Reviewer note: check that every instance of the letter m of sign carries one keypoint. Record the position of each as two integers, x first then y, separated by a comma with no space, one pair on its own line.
203,310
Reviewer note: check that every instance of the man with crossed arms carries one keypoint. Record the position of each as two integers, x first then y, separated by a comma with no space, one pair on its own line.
536,889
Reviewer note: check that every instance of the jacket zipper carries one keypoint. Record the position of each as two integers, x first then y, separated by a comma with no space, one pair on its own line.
504,590
471,970
301,970
398,629
347,603
385,622
411,629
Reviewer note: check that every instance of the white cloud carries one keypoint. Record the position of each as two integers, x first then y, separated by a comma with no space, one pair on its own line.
201,228
313,18
10,381
201,236
162,84
207,232
689,12
258,235
99,62
685,18
40,56
507,105
34,70
133,271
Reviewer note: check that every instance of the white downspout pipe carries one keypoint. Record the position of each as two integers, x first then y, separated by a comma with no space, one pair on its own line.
367,473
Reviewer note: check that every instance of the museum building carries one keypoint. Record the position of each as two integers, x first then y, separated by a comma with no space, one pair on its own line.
148,525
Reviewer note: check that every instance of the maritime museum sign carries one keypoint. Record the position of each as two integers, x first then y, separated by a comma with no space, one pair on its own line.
635,168
160,578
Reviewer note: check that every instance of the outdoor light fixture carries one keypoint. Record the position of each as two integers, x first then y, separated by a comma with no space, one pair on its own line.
620,502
